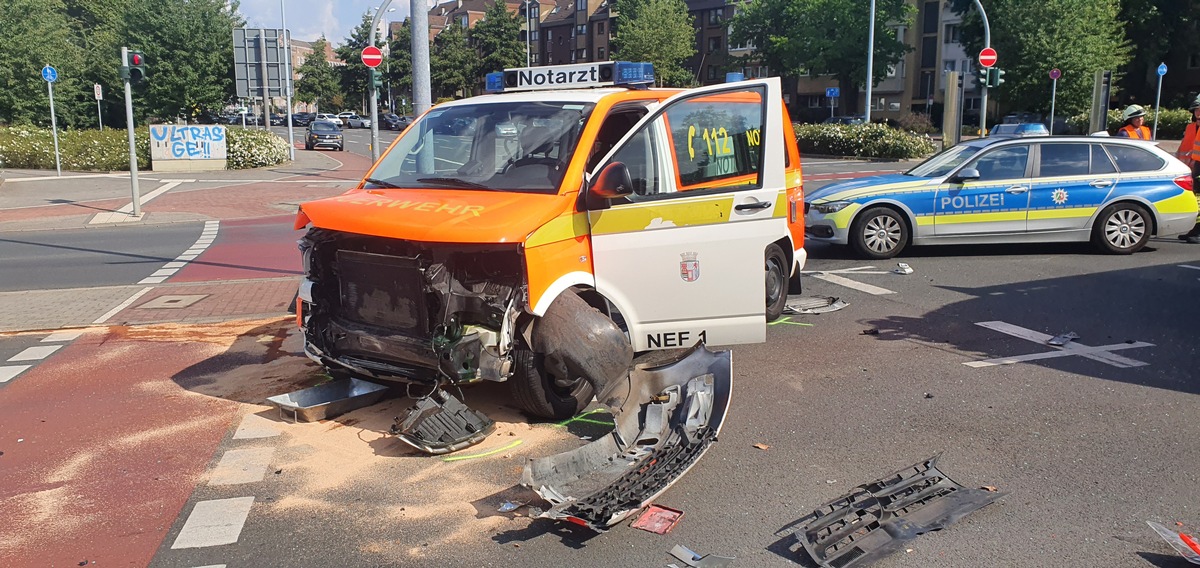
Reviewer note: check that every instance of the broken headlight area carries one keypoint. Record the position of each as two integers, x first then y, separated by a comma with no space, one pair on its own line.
412,312
669,417
876,519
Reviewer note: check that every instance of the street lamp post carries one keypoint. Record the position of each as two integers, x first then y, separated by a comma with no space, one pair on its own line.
379,12
287,79
987,42
870,62
528,32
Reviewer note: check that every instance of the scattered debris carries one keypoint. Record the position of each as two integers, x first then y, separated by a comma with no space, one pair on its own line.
762,446
902,268
328,400
19,440
658,519
871,331
669,416
278,471
1062,339
928,395
1186,545
440,424
694,560
814,305
991,488
876,519
510,506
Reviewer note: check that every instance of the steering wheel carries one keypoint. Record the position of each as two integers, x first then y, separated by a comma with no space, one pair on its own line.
552,163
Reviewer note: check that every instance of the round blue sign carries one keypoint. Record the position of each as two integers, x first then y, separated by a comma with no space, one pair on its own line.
50,74
1162,68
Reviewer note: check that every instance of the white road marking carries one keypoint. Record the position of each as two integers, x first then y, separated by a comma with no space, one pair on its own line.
36,353
125,213
835,279
255,426
212,566
1102,353
242,466
62,336
207,236
1189,266
10,372
214,523
124,304
61,178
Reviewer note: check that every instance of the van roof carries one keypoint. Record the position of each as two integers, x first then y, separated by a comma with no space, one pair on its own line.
564,95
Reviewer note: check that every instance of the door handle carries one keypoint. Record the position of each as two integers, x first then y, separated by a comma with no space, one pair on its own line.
1017,189
1101,183
752,206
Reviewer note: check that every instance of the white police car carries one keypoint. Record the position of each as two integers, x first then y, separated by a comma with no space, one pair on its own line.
1113,192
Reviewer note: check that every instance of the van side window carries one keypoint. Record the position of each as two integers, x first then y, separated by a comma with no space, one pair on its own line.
615,126
717,139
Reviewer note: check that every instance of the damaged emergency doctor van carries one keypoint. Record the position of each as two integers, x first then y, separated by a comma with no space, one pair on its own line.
544,233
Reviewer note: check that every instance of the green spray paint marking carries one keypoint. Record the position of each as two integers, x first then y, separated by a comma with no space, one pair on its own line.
514,444
789,321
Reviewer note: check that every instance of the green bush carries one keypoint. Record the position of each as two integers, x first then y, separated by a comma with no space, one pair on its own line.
863,140
253,148
1171,122
28,147
917,123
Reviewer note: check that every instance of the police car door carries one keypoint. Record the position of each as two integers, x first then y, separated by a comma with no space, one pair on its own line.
682,256
995,203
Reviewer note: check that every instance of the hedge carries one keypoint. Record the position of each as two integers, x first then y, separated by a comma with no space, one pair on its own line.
1171,122
28,147
862,140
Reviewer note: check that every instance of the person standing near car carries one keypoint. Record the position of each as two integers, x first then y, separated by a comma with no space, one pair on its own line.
1189,152
1135,119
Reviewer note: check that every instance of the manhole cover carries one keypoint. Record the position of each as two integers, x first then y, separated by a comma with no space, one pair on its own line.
173,302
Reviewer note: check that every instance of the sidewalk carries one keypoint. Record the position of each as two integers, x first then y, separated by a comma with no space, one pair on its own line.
33,200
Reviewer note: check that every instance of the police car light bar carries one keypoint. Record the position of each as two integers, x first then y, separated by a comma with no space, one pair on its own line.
578,76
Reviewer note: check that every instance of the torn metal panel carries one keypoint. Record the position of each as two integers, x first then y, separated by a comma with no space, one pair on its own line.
440,424
878,518
668,416
1186,545
814,305
695,560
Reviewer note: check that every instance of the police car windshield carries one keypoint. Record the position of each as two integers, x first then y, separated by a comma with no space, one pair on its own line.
504,146
943,163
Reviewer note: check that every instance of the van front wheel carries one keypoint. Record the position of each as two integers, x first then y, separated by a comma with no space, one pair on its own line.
777,281
540,392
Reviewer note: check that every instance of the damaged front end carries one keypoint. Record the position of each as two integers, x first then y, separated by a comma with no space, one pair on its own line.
668,416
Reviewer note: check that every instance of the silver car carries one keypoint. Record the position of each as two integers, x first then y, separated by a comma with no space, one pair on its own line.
355,121
1113,192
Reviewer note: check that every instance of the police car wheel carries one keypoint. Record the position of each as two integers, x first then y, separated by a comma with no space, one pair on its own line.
878,233
1122,228
540,393
777,281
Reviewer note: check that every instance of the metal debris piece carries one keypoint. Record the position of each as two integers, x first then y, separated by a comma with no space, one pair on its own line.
876,519
814,305
1062,339
654,442
870,332
762,446
509,506
902,268
687,556
658,519
1186,545
440,424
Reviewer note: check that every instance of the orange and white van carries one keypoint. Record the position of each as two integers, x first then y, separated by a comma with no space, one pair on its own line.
543,234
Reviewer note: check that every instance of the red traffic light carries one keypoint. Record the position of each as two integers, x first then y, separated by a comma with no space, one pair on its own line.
135,58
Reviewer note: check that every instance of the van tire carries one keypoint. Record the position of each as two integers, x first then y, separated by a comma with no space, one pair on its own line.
534,389
776,281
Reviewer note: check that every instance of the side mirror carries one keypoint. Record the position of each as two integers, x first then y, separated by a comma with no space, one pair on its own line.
612,182
967,174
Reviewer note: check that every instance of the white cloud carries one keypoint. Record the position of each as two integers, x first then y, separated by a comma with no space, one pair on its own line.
309,19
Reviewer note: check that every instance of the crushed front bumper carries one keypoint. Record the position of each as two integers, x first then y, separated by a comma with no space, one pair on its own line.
669,416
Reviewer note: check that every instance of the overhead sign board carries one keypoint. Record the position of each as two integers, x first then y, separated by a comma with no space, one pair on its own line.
371,56
259,57
987,57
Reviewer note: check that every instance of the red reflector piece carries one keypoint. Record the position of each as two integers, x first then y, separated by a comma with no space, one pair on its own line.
1185,182
1190,542
299,312
577,521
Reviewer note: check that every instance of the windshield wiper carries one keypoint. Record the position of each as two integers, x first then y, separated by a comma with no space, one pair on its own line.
456,183
382,183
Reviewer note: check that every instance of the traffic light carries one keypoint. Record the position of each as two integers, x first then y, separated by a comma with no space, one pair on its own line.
376,79
137,66
997,76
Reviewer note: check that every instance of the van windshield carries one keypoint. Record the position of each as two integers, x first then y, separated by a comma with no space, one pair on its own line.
503,146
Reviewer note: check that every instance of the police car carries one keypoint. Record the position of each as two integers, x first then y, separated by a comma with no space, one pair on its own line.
1115,193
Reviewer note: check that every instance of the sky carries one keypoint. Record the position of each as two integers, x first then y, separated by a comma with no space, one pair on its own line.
309,19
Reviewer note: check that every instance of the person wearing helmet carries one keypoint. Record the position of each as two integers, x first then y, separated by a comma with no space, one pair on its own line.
1135,119
1189,152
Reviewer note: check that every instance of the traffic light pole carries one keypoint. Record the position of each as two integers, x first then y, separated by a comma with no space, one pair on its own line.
133,167
375,90
987,42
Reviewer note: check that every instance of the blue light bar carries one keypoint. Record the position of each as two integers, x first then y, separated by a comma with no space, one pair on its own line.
629,72
495,82
734,77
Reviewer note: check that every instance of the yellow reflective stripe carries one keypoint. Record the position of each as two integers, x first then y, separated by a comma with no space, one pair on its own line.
781,205
627,218
924,220
1062,213
1184,202
980,217
559,229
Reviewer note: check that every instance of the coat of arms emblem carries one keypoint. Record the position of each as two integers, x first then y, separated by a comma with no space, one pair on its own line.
689,267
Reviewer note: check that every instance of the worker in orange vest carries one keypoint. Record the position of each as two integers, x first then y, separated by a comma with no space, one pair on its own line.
1189,152
1135,118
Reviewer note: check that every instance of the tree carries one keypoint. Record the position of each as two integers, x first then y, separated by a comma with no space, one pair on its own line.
189,50
318,83
400,66
1079,37
37,33
823,37
497,37
658,31
354,75
1162,28
452,63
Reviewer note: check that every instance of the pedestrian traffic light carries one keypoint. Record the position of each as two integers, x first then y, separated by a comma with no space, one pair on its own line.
376,79
997,76
136,63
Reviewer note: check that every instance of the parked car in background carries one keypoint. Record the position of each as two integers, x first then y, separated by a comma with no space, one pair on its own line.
302,118
394,122
355,121
323,134
278,120
1022,129
328,117
344,115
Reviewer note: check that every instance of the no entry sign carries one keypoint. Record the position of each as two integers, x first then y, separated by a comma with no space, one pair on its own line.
987,57
371,56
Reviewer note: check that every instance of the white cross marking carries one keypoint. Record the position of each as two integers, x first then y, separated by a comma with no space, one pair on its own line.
832,277
1102,353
